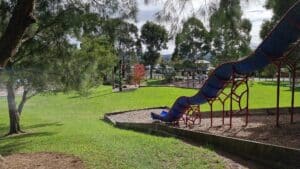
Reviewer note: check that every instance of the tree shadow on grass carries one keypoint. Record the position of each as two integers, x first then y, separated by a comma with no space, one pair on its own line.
12,147
283,84
156,82
26,135
110,93
127,90
90,97
91,94
4,128
16,142
74,97
104,94
41,125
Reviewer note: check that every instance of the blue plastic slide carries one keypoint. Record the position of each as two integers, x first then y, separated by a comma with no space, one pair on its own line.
279,41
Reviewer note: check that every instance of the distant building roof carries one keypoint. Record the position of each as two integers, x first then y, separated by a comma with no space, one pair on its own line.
202,62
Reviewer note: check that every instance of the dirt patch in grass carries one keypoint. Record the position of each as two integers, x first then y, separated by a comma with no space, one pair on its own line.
40,161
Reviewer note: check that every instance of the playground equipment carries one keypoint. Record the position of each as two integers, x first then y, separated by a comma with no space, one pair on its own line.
275,49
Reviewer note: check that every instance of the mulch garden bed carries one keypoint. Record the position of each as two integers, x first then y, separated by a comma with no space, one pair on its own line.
261,127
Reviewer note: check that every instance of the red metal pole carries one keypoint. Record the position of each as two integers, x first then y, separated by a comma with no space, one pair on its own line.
200,115
223,112
278,93
293,92
231,102
247,102
211,111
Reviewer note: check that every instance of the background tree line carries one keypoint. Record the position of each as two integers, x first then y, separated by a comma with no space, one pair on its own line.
61,46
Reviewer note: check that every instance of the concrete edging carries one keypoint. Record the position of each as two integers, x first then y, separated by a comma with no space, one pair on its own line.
271,156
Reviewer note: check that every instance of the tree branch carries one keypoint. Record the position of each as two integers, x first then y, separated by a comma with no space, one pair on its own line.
22,18
23,101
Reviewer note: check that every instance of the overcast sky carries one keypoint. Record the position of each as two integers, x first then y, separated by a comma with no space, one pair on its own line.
253,10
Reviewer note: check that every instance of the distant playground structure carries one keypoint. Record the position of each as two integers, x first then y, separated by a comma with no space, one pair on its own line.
280,48
193,77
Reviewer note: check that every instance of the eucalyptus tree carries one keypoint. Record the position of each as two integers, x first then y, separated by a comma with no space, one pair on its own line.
60,67
230,33
155,37
18,15
192,43
44,59
125,39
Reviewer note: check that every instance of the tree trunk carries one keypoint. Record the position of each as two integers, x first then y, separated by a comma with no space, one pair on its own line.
22,17
14,115
151,71
120,77
23,101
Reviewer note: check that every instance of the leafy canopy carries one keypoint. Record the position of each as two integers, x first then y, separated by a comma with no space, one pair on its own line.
193,42
154,36
230,33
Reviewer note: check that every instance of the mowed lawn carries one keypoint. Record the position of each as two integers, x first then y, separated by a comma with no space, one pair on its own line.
71,124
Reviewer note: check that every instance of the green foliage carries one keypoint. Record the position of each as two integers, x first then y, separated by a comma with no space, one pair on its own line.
154,36
151,57
279,8
87,67
266,27
47,62
125,38
230,33
192,43
269,71
5,14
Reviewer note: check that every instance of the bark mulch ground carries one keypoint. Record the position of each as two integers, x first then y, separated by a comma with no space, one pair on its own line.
261,127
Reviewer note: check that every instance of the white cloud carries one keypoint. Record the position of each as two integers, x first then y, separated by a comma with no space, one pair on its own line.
256,13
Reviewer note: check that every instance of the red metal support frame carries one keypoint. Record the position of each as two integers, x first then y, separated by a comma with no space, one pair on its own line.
223,101
278,62
211,112
237,97
293,69
231,100
236,80
278,65
293,93
234,96
192,115
247,102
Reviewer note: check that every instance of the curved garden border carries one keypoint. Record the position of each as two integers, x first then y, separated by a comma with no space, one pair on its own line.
269,155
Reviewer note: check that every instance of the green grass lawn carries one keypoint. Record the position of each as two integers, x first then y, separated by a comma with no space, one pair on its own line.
73,125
